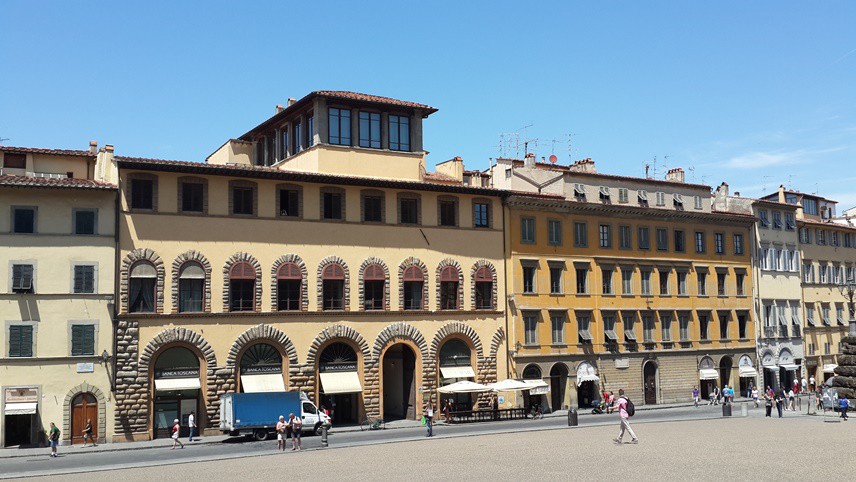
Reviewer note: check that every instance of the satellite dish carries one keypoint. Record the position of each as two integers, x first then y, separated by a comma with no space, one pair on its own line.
554,159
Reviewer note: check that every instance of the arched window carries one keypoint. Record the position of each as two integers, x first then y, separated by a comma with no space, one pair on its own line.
484,288
242,287
414,283
532,372
374,284
449,284
333,287
191,288
289,284
142,284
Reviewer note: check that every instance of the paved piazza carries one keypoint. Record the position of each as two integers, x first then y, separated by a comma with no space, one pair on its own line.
737,448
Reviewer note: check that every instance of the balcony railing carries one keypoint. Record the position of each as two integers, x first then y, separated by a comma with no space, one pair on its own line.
783,331
769,332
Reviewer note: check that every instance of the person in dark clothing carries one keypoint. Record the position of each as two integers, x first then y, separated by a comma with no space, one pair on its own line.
780,401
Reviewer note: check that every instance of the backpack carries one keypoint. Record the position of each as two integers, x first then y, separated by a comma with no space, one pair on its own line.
629,408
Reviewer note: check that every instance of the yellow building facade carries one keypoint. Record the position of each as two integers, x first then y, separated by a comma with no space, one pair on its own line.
624,283
251,274
58,250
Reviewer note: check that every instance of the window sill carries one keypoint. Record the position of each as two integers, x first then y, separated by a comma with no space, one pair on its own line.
529,293
558,295
558,345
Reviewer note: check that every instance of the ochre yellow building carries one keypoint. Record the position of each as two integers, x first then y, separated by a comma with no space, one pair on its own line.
626,283
306,256
56,297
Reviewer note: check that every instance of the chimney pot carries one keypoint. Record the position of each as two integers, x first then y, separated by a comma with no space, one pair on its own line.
279,108
109,147
93,147
291,101
675,175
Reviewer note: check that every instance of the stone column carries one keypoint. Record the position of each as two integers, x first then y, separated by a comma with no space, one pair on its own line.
322,122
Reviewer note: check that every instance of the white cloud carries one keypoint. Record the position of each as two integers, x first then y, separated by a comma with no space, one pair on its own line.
762,159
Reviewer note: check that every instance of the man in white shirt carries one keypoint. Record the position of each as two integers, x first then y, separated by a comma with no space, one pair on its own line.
191,423
804,384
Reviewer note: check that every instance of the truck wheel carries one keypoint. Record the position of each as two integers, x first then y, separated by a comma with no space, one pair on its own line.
318,429
260,434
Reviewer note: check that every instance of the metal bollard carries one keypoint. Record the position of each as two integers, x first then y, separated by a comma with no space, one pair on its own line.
744,409
573,418
323,435
726,409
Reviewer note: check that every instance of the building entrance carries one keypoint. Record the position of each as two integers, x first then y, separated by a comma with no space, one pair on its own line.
177,391
399,383
558,386
84,407
649,378
340,390
20,420
456,364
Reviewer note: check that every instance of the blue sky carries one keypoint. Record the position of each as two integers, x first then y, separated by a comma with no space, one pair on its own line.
753,93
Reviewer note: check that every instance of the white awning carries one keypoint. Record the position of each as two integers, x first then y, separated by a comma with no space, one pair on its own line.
457,372
708,374
789,367
586,373
748,372
340,382
24,408
537,387
829,368
174,384
464,386
268,382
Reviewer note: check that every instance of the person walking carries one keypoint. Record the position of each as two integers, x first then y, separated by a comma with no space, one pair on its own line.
429,418
191,424
804,385
280,434
843,405
175,429
610,406
87,433
780,401
811,382
695,397
754,395
53,437
768,403
791,396
296,431
624,418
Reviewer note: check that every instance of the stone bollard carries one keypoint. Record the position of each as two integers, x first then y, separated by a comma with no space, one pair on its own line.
726,409
573,418
744,409
324,435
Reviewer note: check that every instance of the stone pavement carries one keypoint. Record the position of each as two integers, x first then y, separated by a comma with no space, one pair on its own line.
727,448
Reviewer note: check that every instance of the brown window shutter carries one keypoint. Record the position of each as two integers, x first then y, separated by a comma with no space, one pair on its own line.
449,273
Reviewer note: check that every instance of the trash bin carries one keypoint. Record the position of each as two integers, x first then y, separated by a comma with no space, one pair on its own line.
573,418
726,409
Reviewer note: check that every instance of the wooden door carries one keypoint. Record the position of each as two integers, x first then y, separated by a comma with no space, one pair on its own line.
84,407
650,384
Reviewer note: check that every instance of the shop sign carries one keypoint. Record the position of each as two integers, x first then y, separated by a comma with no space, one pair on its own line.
177,373
260,369
338,367
22,395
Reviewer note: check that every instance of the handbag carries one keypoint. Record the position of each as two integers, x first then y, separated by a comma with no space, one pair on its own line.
423,421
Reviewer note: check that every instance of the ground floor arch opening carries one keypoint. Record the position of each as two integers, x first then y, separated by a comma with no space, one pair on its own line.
178,390
340,386
559,387
84,409
455,360
725,365
261,369
588,384
399,383
535,397
650,375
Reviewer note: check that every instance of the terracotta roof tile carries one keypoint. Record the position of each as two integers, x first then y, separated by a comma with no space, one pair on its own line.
344,94
41,150
53,182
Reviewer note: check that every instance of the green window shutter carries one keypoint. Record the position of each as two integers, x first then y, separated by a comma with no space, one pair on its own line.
21,341
76,340
88,340
14,341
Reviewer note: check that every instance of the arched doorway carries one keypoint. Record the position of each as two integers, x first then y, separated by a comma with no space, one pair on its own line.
787,369
456,364
771,371
558,386
399,383
649,380
340,387
748,375
177,390
587,385
536,395
725,364
261,370
707,376
84,407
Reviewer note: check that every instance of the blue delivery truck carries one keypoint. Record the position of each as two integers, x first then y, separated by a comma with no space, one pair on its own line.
256,414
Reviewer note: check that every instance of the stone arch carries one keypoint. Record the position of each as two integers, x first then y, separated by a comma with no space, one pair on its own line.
320,281
102,410
191,256
440,266
494,287
399,330
368,262
402,332
457,328
333,332
304,288
412,261
134,256
214,385
237,258
497,340
258,333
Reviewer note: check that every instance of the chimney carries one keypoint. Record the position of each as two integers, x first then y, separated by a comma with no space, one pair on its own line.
737,193
291,101
279,108
720,197
675,175
109,148
93,147
583,165
453,168
782,193
529,160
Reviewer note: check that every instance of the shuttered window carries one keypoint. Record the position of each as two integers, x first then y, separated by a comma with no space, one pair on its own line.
82,340
84,279
20,341
22,278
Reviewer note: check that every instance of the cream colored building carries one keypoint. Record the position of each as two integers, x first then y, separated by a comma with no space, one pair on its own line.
312,253
56,297
828,259
777,288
